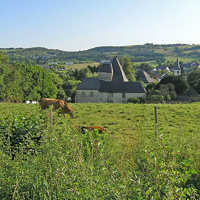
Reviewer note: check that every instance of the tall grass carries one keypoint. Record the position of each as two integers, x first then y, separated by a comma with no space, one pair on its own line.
127,162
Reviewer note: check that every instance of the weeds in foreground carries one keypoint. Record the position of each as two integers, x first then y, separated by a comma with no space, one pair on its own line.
69,165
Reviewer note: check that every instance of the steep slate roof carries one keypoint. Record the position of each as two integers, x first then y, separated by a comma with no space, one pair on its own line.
119,83
89,84
123,87
111,86
145,77
161,68
118,72
105,67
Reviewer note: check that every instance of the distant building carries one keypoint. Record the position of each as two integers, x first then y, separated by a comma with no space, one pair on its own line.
104,61
161,68
69,63
111,85
176,69
145,77
189,67
52,63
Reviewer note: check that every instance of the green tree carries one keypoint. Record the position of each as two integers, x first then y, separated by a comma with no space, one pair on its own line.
146,67
194,80
3,58
179,83
168,91
19,82
128,68
70,88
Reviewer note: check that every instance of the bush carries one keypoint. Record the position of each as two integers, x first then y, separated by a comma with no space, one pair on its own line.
194,80
181,86
168,91
155,98
21,132
133,100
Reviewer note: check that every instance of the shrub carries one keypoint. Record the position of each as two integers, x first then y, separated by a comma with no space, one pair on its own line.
21,132
194,80
133,100
181,86
156,98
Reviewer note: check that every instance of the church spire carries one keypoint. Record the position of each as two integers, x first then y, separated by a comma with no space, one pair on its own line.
177,63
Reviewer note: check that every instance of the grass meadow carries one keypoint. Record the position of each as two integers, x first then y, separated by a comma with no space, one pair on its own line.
82,65
134,159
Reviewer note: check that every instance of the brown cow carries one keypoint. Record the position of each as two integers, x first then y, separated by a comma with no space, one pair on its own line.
83,129
57,103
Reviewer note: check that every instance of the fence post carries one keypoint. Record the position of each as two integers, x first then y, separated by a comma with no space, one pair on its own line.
156,121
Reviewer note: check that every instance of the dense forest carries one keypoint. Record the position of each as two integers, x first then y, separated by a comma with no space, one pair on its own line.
138,53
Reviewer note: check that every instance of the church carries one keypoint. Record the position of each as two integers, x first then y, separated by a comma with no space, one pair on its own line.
111,86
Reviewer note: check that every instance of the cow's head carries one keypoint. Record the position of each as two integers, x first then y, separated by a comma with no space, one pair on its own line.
68,110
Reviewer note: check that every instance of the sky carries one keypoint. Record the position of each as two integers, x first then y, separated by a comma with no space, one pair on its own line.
74,25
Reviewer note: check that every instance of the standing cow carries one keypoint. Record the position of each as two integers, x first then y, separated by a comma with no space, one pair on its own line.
57,103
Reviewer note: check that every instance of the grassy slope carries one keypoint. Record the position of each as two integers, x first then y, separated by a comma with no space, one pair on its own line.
82,65
125,118
134,164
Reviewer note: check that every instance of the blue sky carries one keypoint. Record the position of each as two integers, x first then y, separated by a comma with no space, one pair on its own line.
83,24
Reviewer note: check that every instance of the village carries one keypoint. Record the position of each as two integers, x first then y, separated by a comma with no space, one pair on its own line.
112,85
100,100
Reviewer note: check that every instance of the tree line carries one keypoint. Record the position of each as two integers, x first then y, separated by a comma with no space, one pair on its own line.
20,82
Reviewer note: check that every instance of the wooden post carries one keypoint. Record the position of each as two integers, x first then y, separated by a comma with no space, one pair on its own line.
43,84
156,120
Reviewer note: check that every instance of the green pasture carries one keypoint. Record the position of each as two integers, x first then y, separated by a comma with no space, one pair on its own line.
134,159
182,59
82,65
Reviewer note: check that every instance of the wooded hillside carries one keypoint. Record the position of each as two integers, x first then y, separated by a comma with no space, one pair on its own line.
137,53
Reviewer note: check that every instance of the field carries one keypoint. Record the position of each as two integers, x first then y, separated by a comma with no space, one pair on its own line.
134,159
82,65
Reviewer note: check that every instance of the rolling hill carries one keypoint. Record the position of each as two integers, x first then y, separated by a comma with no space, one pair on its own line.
138,53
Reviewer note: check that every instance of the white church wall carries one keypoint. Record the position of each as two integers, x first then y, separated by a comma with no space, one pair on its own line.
86,96
94,96
177,72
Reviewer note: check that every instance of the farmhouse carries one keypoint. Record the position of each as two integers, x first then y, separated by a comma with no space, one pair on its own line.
111,85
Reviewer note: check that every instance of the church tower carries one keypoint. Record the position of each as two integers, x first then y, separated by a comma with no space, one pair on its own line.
105,71
177,68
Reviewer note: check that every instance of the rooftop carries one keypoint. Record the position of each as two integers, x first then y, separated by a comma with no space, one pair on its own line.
118,72
105,67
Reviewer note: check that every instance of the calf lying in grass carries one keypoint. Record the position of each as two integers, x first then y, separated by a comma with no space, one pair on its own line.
84,129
